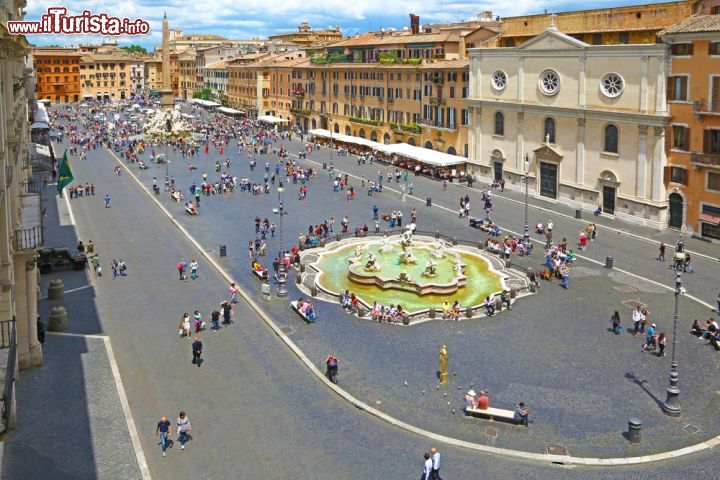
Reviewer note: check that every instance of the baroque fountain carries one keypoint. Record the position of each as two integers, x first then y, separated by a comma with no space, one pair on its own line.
416,272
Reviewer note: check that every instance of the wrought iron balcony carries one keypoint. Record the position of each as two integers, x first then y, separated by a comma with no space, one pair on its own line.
705,159
706,108
299,92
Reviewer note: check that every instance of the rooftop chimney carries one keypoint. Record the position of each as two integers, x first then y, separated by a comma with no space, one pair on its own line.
414,24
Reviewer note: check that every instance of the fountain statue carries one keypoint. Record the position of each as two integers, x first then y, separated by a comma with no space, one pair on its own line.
386,247
437,251
406,242
358,251
371,263
168,123
430,269
459,268
404,277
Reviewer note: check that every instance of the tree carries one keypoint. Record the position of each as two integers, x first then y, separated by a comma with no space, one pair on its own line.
134,49
203,94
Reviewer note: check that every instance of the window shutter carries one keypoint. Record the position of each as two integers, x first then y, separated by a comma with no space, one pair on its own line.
715,94
690,49
706,141
667,174
671,88
686,139
683,88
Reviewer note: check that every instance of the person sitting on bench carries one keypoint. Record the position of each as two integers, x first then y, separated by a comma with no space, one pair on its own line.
489,306
505,299
521,414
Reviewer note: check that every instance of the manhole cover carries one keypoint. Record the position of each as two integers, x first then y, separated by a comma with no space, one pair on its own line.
491,432
691,429
556,450
287,330
625,289
633,303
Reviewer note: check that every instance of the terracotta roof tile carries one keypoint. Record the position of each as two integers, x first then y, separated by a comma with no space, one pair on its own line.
695,24
395,38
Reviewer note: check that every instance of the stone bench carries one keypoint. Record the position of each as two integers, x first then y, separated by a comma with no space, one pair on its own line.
294,305
493,414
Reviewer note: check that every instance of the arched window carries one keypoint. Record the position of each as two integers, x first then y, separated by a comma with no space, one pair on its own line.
499,123
452,151
549,132
428,145
611,139
411,141
362,133
347,129
386,139
373,136
337,128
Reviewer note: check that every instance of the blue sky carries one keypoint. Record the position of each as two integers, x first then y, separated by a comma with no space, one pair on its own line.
248,18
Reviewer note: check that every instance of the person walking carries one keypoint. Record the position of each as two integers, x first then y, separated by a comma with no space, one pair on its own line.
615,320
637,318
661,252
197,351
215,318
107,200
182,265
427,467
183,429
436,463
717,310
162,430
331,363
226,312
193,269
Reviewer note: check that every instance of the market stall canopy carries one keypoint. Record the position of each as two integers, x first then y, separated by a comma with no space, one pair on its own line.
229,111
338,137
204,103
271,119
424,155
39,125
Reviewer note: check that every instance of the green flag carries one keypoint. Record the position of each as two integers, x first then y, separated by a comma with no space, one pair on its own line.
65,175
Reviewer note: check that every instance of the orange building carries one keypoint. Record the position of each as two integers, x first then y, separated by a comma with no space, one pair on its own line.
634,24
692,176
57,74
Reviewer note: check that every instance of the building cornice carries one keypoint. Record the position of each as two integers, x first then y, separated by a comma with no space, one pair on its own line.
653,50
583,113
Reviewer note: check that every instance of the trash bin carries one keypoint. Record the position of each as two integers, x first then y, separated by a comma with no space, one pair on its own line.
429,202
634,426
578,213
609,262
324,165
223,250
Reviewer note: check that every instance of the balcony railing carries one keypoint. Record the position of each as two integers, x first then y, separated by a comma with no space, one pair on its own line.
298,93
25,239
703,107
8,341
705,159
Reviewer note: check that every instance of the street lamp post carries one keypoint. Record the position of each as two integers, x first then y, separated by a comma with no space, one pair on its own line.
168,127
526,234
671,406
282,274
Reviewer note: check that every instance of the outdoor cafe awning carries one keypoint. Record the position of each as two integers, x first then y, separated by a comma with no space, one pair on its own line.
271,119
424,155
229,111
204,103
39,125
338,137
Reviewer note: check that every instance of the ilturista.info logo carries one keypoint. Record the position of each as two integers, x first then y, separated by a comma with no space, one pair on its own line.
57,22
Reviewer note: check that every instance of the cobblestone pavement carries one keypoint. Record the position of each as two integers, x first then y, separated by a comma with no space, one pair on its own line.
252,404
553,351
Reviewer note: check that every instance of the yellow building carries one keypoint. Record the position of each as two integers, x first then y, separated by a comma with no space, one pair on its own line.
106,75
635,24
186,74
307,36
242,90
153,75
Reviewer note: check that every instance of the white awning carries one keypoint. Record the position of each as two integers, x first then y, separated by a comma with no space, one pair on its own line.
41,114
424,155
39,125
229,111
271,119
204,103
338,137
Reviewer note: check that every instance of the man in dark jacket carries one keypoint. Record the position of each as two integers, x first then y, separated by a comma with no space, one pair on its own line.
197,351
